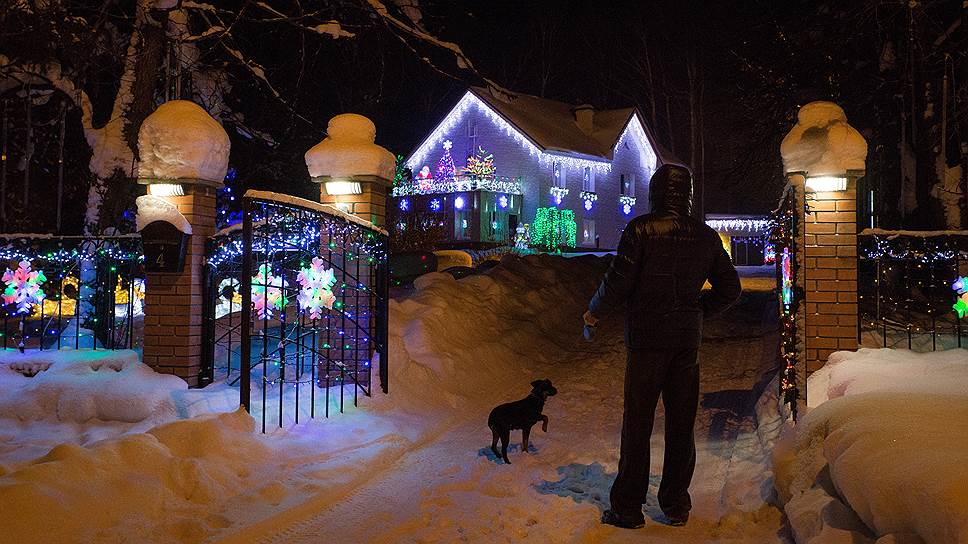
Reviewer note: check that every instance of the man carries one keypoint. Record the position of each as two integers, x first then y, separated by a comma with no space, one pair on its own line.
664,259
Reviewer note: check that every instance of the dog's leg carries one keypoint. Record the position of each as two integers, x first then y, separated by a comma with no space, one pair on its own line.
505,440
494,437
544,423
525,433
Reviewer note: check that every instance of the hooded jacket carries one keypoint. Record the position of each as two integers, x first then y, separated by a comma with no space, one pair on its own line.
664,259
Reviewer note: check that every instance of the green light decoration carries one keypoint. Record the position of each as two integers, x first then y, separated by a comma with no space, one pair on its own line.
553,228
961,305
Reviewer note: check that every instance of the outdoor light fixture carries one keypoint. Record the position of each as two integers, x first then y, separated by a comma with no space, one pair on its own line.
166,189
459,203
334,188
823,184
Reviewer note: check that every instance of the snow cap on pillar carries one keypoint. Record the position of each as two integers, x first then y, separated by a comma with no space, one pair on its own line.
181,141
822,143
349,151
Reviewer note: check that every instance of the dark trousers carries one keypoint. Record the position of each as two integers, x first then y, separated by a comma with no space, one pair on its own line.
675,375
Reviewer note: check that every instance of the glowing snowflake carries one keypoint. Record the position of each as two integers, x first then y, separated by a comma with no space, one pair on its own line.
23,287
316,292
960,286
267,292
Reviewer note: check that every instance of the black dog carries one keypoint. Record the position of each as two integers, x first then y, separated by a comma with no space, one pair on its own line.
522,414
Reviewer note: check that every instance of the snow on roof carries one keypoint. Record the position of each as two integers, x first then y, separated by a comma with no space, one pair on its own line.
822,143
548,126
302,202
180,140
153,208
349,150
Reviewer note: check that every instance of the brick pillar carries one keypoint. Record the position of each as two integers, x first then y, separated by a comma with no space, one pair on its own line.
173,302
829,272
370,205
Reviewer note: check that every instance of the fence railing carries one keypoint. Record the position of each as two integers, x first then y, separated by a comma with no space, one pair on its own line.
71,292
905,295
297,300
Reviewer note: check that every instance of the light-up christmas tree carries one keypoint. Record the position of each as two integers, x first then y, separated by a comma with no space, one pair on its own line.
446,170
481,165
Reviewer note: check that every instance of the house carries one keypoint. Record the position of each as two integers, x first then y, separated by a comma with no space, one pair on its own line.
745,237
498,161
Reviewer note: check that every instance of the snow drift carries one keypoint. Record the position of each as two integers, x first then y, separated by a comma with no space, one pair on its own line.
822,143
77,386
349,150
881,456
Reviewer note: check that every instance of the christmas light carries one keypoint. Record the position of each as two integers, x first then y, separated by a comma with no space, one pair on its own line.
316,293
23,287
480,165
459,203
267,292
502,201
460,184
553,227
745,225
434,205
404,204
589,198
558,194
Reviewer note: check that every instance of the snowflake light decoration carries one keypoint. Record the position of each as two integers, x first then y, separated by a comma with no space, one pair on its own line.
267,292
316,293
23,287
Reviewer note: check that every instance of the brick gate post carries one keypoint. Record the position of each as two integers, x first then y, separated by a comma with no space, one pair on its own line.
823,157
183,159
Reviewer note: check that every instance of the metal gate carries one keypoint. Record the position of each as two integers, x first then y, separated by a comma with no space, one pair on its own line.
297,305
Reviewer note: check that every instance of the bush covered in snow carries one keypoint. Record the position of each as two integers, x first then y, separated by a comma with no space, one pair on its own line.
881,455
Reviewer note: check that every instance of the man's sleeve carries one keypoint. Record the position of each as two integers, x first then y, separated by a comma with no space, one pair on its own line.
725,282
616,286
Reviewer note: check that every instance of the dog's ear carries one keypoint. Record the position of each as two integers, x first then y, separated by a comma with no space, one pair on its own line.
536,383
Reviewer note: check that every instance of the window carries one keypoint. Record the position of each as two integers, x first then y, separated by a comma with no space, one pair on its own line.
588,180
588,232
471,139
461,230
559,174
621,183
628,184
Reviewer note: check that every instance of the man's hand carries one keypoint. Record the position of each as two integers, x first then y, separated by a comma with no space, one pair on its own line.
590,319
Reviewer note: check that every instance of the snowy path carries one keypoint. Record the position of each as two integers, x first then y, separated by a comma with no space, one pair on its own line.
449,488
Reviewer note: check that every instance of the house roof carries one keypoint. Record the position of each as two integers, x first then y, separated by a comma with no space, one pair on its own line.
551,125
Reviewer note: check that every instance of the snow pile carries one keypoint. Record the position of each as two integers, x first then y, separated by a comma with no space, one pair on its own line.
881,456
869,370
181,141
77,386
454,339
153,208
349,150
822,143
150,487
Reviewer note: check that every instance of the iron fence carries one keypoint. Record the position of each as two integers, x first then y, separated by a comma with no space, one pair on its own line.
905,289
297,299
72,292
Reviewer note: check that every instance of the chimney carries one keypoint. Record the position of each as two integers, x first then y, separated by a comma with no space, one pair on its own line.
584,116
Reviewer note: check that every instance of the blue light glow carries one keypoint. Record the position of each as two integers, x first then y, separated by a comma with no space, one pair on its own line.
435,205
404,204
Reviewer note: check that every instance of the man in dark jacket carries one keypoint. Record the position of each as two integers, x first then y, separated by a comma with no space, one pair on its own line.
664,259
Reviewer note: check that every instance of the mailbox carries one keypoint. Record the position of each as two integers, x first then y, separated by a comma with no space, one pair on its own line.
165,247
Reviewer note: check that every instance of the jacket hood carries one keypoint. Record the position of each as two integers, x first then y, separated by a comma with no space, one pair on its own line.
670,190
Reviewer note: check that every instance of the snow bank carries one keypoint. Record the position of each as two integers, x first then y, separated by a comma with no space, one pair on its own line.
180,140
149,487
349,150
869,370
77,386
822,143
153,208
881,454
454,338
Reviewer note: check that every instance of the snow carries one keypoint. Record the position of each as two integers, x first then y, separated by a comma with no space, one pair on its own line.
879,456
153,208
822,143
891,234
180,140
349,150
412,466
302,202
77,386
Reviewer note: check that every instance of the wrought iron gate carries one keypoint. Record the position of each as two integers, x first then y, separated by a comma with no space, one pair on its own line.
298,300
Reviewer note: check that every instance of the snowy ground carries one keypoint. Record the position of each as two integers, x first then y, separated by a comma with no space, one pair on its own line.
879,458
412,466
